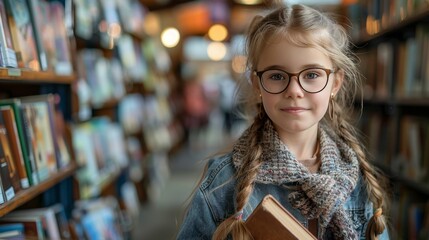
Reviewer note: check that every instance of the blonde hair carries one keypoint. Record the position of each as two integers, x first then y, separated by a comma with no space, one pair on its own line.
305,27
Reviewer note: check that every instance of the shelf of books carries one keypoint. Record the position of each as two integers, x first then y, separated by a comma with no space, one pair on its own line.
392,42
26,195
86,118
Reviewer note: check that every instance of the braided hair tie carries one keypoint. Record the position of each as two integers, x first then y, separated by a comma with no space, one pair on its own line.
238,215
378,212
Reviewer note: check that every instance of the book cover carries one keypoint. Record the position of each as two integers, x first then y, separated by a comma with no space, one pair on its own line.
45,121
12,231
63,64
7,151
29,143
15,144
46,215
22,33
5,176
271,221
44,33
36,140
33,226
15,104
8,56
61,220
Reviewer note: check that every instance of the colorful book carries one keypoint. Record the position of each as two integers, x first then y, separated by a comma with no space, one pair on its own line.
8,155
61,220
33,225
6,181
44,33
36,141
15,144
12,231
7,52
271,221
63,64
44,123
22,33
46,215
15,104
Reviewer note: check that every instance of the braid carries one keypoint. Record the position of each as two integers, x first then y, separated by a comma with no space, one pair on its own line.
245,175
375,181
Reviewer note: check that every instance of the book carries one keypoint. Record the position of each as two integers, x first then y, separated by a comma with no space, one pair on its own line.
7,151
44,33
12,231
15,144
63,62
7,53
33,225
15,104
271,221
5,170
22,33
46,215
43,106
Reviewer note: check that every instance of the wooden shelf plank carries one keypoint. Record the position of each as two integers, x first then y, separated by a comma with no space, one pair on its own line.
26,195
23,75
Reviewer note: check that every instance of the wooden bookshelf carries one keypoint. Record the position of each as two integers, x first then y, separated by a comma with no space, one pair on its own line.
26,195
28,76
395,29
396,113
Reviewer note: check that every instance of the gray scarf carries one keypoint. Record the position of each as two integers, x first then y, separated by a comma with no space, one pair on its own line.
320,195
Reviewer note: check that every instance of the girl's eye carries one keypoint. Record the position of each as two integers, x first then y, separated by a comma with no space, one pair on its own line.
277,77
311,75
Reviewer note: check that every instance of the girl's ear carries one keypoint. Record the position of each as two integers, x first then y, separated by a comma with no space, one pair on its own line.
338,81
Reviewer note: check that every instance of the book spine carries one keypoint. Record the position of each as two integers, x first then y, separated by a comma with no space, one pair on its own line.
9,192
27,135
15,145
7,152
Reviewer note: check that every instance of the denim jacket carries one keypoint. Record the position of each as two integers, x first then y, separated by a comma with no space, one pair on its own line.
214,201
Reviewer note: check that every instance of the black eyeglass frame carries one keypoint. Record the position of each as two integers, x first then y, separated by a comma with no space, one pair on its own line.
328,73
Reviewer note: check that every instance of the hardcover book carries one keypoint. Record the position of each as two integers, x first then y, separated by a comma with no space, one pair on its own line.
8,56
15,144
33,225
6,180
22,33
7,152
15,103
44,33
271,221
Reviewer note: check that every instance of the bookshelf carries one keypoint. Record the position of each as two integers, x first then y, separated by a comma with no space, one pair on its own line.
26,195
391,40
89,74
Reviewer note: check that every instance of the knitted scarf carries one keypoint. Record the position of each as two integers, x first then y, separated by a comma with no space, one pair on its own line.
320,195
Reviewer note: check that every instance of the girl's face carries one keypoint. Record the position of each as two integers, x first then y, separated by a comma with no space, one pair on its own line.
295,110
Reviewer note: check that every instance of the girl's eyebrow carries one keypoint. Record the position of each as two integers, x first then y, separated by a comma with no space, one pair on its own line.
306,66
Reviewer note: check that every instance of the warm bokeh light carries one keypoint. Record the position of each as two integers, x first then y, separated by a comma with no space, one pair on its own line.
218,32
151,24
216,51
249,2
114,30
239,63
170,37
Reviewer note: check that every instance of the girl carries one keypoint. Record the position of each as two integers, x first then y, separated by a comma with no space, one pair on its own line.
301,147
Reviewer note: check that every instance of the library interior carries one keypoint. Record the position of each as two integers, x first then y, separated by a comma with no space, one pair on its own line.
109,109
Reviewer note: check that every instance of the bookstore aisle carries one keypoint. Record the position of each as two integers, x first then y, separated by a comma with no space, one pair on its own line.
160,218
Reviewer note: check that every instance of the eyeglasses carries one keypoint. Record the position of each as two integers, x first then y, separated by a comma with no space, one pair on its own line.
311,80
